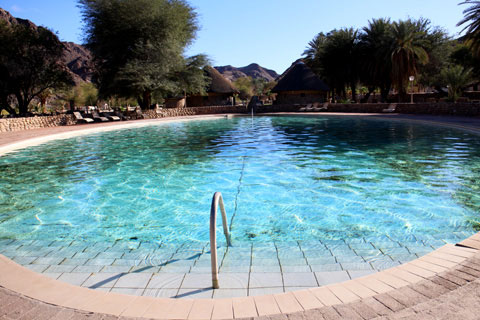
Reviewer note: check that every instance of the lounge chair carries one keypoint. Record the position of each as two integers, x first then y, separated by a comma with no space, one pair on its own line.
317,108
99,118
80,119
110,116
391,108
120,115
139,113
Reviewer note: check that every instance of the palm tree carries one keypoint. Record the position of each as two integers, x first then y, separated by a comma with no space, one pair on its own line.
408,51
472,21
375,56
456,78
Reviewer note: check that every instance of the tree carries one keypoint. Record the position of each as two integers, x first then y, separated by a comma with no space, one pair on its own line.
375,56
472,25
245,87
335,58
408,51
138,45
456,78
29,65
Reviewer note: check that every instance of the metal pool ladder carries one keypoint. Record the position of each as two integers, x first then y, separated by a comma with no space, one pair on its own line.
217,199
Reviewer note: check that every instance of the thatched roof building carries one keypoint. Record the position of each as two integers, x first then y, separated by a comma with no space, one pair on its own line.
300,85
219,92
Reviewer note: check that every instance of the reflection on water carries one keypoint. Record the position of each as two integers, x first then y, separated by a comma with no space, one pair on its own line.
284,178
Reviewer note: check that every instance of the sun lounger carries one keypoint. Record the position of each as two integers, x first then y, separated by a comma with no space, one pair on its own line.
391,108
80,119
316,107
99,118
110,116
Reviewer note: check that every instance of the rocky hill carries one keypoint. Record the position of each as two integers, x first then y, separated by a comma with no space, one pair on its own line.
76,57
252,70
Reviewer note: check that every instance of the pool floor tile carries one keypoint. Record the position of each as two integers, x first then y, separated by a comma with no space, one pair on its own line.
330,277
102,280
166,281
264,291
204,293
229,293
299,279
265,280
197,281
76,279
133,280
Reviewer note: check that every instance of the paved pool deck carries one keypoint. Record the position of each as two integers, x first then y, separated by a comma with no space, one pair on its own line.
264,286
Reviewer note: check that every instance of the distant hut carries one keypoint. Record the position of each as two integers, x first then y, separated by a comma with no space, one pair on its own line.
220,91
299,85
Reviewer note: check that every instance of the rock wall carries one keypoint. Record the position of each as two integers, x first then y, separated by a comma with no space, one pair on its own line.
453,109
181,112
457,109
20,124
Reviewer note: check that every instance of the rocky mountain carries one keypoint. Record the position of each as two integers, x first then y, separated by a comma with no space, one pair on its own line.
252,70
76,58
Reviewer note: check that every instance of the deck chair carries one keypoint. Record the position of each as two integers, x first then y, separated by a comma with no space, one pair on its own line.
391,108
99,118
80,119
110,116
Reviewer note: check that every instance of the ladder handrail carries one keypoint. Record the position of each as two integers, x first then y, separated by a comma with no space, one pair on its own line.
217,198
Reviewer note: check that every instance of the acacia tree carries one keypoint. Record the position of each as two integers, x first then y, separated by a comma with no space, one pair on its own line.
138,45
29,65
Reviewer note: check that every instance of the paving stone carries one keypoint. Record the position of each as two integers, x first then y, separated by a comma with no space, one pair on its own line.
347,312
407,297
329,313
389,302
444,283
363,310
429,289
377,306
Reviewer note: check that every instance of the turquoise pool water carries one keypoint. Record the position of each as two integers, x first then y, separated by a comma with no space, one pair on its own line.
283,179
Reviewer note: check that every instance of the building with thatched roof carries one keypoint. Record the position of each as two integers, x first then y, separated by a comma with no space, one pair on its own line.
300,85
220,91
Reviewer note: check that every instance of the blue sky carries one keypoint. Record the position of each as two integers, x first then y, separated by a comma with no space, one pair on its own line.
273,33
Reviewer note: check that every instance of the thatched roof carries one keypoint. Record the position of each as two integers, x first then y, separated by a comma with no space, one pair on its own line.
300,78
218,84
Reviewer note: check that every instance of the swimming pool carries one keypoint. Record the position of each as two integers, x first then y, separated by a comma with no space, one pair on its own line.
318,188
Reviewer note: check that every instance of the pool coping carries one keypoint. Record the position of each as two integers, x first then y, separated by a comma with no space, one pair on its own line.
46,290
43,289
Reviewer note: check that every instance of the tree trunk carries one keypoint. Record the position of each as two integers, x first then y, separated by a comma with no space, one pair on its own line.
22,105
146,100
354,92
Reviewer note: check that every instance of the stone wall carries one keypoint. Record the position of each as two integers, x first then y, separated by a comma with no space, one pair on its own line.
20,124
457,109
180,112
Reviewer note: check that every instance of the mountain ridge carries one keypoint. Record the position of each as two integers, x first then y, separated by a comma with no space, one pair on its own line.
253,70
